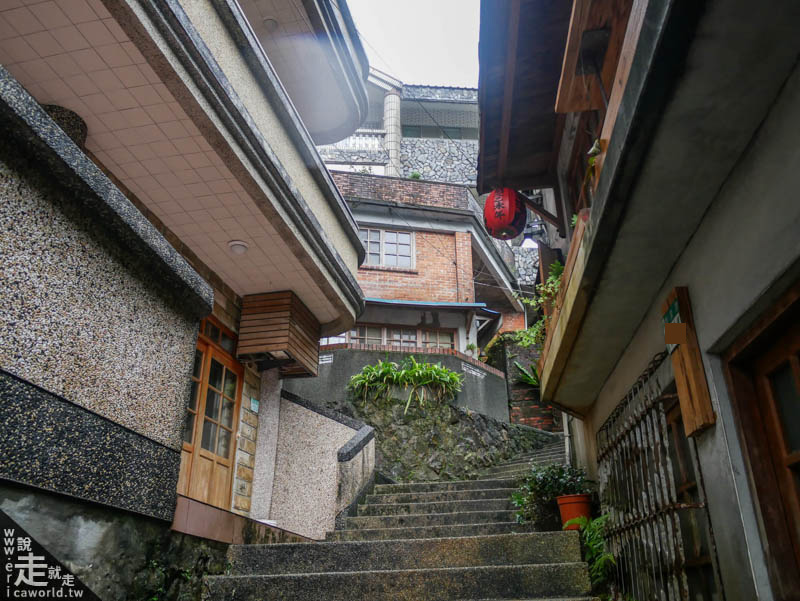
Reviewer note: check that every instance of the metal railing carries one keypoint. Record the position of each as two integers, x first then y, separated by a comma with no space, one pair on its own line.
654,524
362,139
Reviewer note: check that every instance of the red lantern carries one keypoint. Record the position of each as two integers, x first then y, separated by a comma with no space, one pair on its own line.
504,214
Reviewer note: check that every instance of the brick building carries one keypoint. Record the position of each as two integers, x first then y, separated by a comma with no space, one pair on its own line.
432,276
436,286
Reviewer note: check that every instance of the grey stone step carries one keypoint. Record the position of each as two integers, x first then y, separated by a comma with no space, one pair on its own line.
432,497
510,472
456,530
427,519
444,584
504,549
439,486
498,504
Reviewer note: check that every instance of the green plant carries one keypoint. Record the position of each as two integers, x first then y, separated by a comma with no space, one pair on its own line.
536,497
416,175
600,561
546,294
531,378
425,382
472,347
574,220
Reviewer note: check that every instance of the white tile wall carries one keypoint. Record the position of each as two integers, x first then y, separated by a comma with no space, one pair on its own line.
74,54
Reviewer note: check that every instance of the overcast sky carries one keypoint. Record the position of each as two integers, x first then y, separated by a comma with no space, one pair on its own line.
432,42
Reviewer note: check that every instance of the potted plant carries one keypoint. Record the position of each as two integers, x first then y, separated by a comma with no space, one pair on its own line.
539,498
572,506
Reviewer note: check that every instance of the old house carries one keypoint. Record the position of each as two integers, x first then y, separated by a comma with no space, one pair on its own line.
436,286
172,246
429,132
667,128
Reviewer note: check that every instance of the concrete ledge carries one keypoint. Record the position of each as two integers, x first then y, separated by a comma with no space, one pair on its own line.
355,444
206,521
23,119
53,444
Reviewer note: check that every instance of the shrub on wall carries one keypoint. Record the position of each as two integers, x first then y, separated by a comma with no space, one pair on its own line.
423,382
425,437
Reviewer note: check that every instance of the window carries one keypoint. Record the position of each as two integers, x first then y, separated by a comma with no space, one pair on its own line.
394,336
401,337
387,248
437,339
366,335
454,133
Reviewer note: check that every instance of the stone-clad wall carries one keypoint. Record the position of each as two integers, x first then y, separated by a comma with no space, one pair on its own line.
331,154
81,318
452,161
246,447
419,92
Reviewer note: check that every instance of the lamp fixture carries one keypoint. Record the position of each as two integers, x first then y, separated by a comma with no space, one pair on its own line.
271,25
534,231
238,247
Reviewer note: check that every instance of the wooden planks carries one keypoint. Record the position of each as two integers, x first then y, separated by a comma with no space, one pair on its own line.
278,326
687,364
577,92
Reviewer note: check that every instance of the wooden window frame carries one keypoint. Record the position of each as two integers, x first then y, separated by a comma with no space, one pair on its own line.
753,429
212,350
382,252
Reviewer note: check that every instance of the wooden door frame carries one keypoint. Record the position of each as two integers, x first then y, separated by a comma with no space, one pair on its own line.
212,350
763,475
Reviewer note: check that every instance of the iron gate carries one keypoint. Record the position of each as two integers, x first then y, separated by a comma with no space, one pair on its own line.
651,486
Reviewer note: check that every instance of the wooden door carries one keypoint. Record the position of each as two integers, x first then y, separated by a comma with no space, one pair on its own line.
777,386
764,380
209,441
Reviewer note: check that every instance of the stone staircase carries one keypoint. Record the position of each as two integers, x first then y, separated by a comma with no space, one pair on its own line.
518,467
427,541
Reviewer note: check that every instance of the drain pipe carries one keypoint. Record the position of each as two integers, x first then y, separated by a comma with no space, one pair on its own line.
566,419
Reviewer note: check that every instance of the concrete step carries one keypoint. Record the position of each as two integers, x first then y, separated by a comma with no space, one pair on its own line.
368,522
433,497
455,530
440,486
504,549
444,584
497,504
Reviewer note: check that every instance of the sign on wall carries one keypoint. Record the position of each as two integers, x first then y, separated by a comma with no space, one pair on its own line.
687,362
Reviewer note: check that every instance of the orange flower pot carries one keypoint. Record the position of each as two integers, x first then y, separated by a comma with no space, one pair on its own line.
573,506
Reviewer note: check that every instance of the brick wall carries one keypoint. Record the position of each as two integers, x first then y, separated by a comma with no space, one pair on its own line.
408,191
442,273
512,322
526,408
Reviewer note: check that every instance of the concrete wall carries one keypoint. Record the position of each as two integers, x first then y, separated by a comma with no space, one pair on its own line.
310,485
80,318
732,265
483,391
217,37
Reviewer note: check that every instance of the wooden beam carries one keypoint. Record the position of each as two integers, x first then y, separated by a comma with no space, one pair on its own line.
581,92
508,88
544,214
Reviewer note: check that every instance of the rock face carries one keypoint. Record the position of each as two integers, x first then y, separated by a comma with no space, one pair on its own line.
439,442
527,263
441,160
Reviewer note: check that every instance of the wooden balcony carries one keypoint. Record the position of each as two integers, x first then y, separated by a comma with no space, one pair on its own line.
566,313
